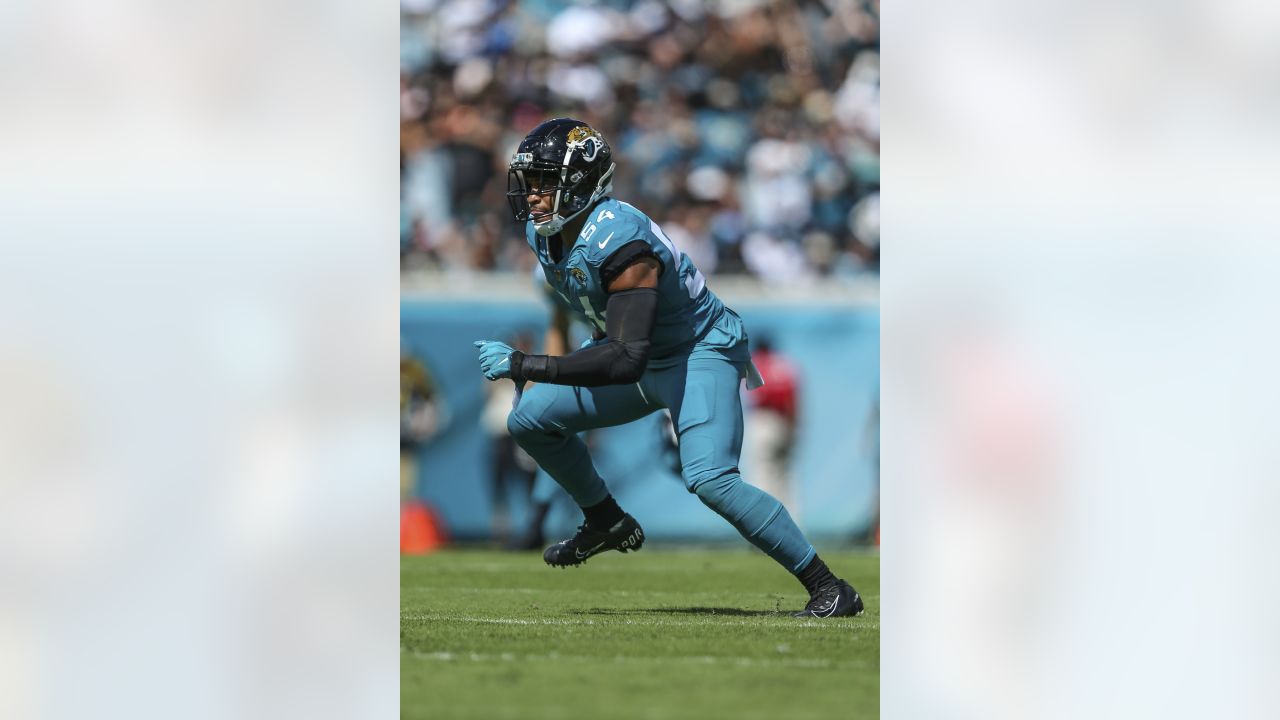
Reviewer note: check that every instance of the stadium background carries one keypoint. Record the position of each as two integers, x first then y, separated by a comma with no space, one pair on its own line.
748,130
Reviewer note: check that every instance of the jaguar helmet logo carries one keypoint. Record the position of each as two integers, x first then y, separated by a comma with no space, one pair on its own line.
586,141
578,275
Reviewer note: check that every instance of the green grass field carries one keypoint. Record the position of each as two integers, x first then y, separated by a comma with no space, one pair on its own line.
664,633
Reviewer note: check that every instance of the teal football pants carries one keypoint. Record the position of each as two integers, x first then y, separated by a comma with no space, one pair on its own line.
544,489
702,395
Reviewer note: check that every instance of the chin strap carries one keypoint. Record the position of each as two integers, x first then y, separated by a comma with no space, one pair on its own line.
604,186
550,227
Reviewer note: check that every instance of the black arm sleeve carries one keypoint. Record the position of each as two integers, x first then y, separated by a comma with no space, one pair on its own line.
619,360
623,258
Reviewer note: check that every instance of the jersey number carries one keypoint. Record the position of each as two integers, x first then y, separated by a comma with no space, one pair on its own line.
693,283
597,319
590,230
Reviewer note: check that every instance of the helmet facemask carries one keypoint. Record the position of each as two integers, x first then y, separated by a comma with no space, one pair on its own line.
572,191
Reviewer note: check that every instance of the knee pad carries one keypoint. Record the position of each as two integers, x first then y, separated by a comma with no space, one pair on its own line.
526,429
520,425
743,505
710,485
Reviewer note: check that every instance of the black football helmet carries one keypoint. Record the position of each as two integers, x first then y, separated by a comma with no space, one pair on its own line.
563,157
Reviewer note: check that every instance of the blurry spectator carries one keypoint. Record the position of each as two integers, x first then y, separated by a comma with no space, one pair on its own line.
774,259
771,429
864,223
689,228
778,196
872,441
512,469
756,124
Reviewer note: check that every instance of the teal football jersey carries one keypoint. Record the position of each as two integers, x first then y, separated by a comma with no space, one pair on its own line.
688,312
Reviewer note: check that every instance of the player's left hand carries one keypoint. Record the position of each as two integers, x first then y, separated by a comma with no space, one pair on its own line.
495,358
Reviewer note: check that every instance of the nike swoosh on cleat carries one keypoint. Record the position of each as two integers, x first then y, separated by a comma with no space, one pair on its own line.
581,556
835,603
604,242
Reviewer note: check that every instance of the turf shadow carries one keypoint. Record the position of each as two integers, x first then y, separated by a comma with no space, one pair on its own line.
688,611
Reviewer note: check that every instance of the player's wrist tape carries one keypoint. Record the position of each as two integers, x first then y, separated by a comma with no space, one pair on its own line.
535,368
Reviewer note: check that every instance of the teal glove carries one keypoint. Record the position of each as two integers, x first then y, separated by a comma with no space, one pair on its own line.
495,358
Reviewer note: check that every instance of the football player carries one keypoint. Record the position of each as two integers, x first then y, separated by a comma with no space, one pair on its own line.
663,340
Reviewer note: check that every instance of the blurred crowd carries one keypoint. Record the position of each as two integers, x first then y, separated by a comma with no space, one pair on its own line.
749,129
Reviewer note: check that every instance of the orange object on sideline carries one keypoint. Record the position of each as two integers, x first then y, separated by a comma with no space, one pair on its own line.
421,529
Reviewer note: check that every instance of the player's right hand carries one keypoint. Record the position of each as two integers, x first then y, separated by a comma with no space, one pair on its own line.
495,358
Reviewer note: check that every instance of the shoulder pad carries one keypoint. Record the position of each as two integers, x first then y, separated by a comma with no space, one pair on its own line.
613,230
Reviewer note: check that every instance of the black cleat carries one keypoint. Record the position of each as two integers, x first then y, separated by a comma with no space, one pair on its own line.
839,600
625,535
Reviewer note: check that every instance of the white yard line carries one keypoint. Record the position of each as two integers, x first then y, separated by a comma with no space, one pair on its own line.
664,660
557,590
620,593
523,566
646,622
